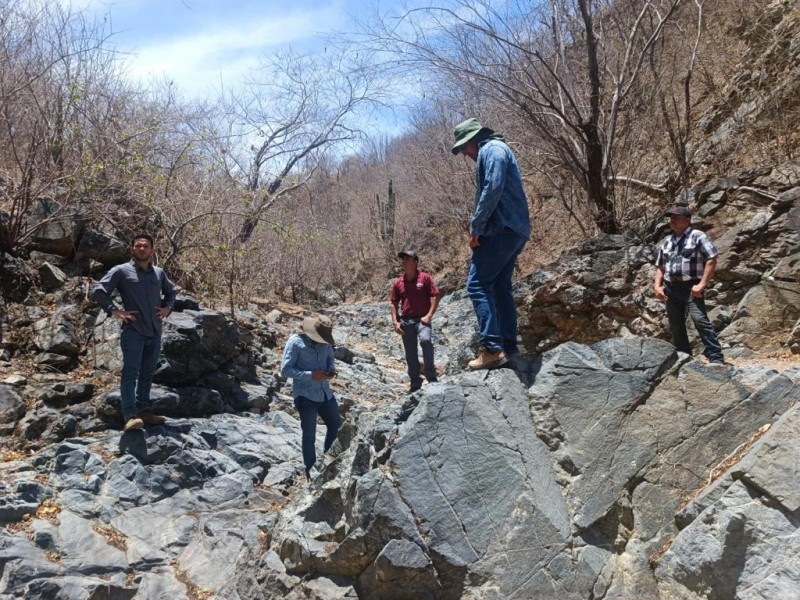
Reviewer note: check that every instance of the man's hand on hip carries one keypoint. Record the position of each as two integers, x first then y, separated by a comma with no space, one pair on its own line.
126,316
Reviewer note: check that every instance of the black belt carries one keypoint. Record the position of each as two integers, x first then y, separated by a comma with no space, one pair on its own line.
688,282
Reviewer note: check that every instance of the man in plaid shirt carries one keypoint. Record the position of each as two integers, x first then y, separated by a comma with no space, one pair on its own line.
686,261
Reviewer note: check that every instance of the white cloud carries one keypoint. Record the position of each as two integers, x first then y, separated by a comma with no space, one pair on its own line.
196,62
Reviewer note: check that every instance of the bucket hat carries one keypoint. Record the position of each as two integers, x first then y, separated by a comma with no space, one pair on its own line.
465,131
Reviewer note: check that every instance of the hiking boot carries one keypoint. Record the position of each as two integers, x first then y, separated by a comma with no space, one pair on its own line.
414,387
150,419
133,424
488,360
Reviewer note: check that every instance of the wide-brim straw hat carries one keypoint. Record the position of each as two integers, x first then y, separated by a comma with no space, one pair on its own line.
318,328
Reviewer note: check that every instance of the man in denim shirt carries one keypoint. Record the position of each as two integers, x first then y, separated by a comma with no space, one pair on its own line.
499,229
308,361
685,264
141,286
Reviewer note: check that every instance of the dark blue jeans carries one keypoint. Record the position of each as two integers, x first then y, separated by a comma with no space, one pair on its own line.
329,412
139,362
414,329
679,301
489,288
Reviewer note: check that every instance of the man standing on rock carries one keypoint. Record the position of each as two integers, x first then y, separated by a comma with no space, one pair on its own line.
417,296
148,297
499,229
308,360
685,264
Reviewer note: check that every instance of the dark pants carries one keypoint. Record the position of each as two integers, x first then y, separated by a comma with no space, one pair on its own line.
489,288
679,301
329,412
139,362
413,330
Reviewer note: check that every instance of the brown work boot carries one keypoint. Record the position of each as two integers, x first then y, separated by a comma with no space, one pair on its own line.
488,360
151,419
133,423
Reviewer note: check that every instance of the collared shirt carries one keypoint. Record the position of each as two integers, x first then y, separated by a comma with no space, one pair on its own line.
141,291
415,294
500,202
684,258
301,357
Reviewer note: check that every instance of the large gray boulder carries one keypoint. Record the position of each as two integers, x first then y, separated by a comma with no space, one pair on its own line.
207,366
744,543
102,247
575,465
199,343
56,226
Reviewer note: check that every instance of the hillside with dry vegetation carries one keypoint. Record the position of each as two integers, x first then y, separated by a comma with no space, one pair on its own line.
278,193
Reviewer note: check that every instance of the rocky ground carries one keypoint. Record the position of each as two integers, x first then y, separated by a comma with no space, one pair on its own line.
604,465
589,471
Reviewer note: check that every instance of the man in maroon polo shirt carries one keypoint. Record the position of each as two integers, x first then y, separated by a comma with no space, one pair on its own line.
417,297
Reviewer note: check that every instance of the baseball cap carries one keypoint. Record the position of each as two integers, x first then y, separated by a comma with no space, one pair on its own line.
409,254
681,211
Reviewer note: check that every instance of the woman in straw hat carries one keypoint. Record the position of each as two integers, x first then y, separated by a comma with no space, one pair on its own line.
308,361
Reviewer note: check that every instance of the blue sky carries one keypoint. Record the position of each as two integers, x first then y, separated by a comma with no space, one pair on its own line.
199,43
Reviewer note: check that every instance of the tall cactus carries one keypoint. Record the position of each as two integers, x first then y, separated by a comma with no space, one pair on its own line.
386,215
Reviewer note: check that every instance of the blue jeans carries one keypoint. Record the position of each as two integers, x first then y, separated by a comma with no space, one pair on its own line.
139,362
679,300
489,288
414,329
308,409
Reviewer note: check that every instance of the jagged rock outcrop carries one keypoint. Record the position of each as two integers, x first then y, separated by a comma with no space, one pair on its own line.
176,508
612,470
604,287
564,478
557,481
739,538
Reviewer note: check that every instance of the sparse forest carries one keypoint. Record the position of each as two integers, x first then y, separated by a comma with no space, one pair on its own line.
286,188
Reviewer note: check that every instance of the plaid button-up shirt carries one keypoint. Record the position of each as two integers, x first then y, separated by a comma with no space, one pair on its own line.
684,258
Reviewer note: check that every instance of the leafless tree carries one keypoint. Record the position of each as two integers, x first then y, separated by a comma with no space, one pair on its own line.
53,64
568,67
292,111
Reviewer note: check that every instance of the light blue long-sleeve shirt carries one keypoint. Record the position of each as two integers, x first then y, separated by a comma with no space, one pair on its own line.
301,357
500,201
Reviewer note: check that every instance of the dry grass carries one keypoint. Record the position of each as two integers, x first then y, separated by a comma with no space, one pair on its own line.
49,511
113,537
193,592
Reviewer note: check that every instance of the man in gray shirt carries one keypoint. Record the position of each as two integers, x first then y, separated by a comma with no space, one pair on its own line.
141,286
